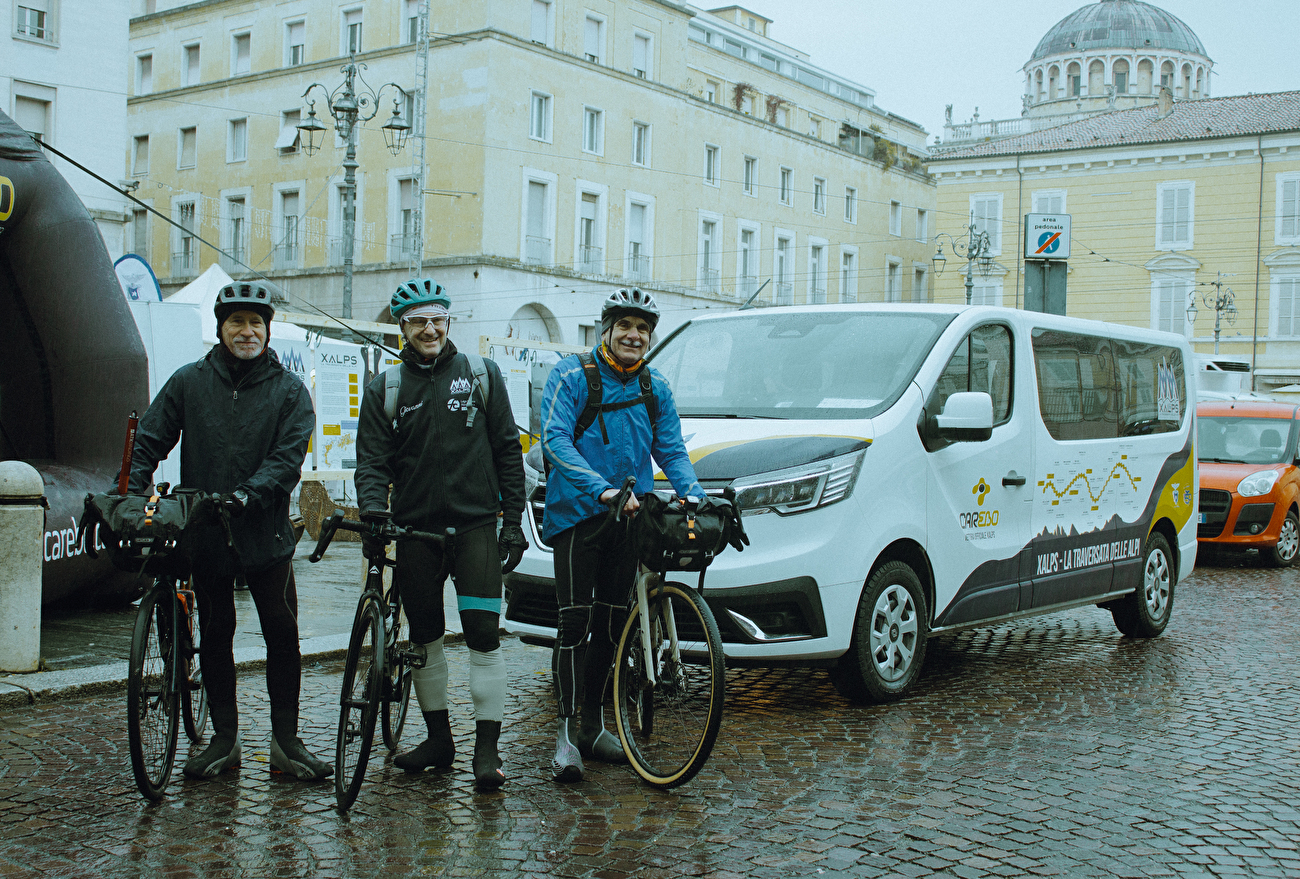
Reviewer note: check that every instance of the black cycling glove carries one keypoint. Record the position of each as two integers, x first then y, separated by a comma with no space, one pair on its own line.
373,547
511,544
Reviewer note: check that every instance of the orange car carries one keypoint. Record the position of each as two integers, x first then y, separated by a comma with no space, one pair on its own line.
1250,484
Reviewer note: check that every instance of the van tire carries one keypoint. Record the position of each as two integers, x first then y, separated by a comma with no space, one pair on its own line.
1145,611
1284,553
887,648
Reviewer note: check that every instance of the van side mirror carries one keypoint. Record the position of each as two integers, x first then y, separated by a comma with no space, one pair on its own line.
966,417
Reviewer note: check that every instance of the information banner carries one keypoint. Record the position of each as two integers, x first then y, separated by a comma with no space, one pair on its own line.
339,373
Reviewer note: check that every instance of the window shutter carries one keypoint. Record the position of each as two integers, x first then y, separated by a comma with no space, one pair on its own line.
1290,219
591,39
1182,214
1287,289
540,10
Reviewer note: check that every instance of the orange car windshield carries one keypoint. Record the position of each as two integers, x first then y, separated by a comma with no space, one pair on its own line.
1229,440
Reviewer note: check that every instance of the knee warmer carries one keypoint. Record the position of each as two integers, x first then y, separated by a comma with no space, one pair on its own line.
607,620
487,684
482,630
430,680
572,626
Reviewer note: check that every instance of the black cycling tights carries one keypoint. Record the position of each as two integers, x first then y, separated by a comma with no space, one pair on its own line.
276,597
592,586
478,588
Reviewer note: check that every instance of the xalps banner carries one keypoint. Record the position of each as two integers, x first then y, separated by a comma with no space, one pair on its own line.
138,281
1047,236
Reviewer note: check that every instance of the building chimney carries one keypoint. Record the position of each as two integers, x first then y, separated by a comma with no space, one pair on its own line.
1165,102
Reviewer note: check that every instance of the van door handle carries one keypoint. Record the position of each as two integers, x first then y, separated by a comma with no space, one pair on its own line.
1012,479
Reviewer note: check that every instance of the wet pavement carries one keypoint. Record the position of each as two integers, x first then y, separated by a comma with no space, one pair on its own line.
1052,747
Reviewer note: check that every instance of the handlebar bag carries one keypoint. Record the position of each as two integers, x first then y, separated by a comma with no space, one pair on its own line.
142,532
668,536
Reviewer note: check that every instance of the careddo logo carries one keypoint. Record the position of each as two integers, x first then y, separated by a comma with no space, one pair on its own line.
975,521
6,198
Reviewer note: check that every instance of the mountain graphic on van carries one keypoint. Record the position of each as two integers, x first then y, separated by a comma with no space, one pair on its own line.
1114,523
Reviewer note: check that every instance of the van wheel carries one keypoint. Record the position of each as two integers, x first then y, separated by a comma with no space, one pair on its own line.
1144,613
889,635
1283,555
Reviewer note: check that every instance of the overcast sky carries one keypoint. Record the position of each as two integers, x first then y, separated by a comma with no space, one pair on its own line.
919,57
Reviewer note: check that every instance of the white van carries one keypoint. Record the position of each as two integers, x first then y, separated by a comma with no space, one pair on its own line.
912,469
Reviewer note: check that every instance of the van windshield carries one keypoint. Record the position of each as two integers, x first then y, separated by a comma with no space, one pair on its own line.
796,365
1227,440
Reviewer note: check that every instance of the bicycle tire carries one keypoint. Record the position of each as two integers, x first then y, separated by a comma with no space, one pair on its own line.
194,696
152,707
397,676
359,703
668,729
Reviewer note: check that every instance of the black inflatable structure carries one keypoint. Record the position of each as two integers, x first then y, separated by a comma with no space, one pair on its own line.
72,366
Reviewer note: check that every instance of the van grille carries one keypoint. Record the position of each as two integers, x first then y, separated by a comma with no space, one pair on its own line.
1214,504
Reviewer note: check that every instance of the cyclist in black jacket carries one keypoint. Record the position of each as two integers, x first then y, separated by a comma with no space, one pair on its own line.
451,453
244,422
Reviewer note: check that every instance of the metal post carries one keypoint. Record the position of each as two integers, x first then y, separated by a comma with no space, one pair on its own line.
970,283
349,217
22,527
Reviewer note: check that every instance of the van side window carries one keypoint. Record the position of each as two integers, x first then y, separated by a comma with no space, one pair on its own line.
982,362
1152,390
1076,385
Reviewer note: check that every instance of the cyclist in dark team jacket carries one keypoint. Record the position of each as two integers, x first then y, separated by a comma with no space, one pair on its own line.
451,453
244,422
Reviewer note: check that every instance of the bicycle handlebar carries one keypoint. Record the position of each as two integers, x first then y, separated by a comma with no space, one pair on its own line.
384,531
615,515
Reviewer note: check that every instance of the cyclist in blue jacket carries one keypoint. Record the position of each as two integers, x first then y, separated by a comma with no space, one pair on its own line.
636,421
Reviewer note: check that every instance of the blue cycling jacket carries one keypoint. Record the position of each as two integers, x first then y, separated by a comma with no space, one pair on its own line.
581,472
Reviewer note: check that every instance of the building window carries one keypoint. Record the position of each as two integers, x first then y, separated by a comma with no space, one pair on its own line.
593,130
1285,309
402,237
711,91
295,43
711,164
638,242
709,278
922,224
919,291
190,65
185,259
986,293
538,211
287,249
237,142
814,127
593,39
33,116
895,218
1175,215
140,155
751,172
1170,295
539,122
540,26
787,193
1049,201
893,282
784,293
144,74
236,243
817,273
850,205
186,147
411,16
783,117
819,195
287,142
1288,209
352,32
987,210
848,276
641,56
34,20
747,262
591,251
640,143
241,54
140,233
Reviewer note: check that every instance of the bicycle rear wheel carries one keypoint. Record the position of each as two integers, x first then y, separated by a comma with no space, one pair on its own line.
194,697
668,728
151,698
397,676
362,682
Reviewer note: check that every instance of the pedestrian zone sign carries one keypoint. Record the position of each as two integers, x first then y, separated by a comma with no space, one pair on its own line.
1047,236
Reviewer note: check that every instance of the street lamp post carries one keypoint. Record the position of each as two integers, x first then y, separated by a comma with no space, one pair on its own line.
975,247
1222,300
353,103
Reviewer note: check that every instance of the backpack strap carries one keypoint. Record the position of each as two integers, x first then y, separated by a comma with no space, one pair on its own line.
392,384
480,382
595,394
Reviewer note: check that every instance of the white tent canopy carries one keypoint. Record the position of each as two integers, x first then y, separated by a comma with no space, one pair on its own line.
203,290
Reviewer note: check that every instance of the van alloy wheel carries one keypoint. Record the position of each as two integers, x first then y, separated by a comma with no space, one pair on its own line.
1156,583
1144,612
1288,542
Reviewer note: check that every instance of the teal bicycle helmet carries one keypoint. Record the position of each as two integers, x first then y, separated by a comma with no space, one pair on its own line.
417,291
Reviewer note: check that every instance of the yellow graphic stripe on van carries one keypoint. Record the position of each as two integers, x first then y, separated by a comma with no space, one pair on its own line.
1176,497
704,451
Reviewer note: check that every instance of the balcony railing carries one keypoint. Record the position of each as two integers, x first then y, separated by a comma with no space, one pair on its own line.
401,247
709,280
818,293
638,266
232,261
591,258
784,294
287,256
185,263
334,251
537,250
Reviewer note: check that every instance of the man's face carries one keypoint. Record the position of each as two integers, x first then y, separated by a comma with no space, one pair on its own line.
244,334
425,334
628,339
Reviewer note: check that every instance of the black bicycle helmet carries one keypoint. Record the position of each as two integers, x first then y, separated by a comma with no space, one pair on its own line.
417,291
624,302
244,295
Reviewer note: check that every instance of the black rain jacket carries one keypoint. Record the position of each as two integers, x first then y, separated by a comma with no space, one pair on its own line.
249,435
444,475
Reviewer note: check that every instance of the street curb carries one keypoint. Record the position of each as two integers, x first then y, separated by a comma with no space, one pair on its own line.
17,691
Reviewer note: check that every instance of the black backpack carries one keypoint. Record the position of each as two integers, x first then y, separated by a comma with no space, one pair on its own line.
596,407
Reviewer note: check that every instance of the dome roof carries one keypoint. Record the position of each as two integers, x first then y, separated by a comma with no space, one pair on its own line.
1118,24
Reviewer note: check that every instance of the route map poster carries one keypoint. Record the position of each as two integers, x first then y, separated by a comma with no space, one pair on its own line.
339,374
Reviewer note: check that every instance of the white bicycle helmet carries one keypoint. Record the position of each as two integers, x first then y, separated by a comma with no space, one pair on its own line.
251,295
624,302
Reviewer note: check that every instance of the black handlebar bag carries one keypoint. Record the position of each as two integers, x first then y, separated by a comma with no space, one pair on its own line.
143,534
669,536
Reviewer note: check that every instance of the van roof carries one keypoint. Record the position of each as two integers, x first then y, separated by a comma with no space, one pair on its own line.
1249,408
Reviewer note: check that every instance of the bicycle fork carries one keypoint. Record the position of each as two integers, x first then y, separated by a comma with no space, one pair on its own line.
648,636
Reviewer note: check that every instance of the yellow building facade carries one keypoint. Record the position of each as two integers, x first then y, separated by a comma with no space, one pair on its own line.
571,148
1163,199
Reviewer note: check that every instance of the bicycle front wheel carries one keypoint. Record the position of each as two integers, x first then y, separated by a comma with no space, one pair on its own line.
152,706
669,722
397,676
362,682
194,697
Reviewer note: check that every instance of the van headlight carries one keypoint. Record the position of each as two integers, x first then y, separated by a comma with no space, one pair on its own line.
801,488
1257,483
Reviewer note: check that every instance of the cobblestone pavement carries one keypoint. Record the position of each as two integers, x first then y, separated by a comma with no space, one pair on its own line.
1050,747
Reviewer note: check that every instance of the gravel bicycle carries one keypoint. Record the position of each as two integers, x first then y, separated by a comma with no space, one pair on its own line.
377,671
669,667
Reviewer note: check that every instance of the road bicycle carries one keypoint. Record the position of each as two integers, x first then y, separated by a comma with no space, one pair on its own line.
377,671
669,667
164,684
